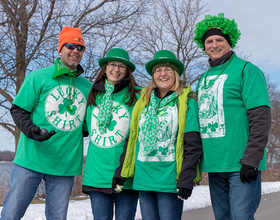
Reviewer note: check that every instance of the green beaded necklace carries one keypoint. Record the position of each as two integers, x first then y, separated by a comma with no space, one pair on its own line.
60,69
209,70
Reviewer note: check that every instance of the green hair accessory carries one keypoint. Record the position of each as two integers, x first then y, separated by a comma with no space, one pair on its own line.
226,25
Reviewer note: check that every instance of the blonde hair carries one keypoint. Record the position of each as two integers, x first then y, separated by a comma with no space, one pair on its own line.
177,87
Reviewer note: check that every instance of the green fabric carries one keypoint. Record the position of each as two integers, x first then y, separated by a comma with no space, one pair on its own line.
207,87
223,117
105,108
61,69
118,55
128,168
191,125
226,25
150,126
158,169
105,149
62,154
129,161
164,56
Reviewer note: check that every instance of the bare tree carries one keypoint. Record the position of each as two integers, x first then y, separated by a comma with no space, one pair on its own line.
273,146
170,26
7,156
29,31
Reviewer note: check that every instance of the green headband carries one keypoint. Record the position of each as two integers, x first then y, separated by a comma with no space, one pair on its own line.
228,27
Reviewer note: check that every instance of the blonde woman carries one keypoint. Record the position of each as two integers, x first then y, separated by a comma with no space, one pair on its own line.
164,145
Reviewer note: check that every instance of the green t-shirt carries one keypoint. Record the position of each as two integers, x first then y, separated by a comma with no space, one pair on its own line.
223,103
157,170
41,95
104,151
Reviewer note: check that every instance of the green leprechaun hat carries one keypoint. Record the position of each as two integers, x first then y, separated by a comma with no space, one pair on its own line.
162,58
118,55
228,27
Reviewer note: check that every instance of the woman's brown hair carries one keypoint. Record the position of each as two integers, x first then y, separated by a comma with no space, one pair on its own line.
101,77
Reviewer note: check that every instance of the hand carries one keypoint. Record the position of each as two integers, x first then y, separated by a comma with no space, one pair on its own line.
41,134
248,173
117,184
184,193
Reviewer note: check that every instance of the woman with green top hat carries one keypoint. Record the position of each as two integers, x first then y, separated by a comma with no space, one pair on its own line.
164,145
109,109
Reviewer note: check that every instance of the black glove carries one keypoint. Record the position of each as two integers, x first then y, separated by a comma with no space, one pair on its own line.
184,193
248,173
40,134
117,184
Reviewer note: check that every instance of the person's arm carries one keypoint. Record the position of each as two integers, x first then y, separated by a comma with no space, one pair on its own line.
192,154
259,127
255,97
85,133
118,180
25,124
85,129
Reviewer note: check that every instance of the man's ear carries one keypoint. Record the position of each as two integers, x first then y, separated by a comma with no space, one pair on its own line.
60,51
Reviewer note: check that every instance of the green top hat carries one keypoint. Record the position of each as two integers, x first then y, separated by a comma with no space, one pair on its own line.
119,55
164,56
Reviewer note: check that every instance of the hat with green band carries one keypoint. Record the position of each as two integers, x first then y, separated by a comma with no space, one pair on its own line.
165,58
228,29
118,55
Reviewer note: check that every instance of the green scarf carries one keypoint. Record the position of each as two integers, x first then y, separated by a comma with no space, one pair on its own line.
149,128
105,108
61,69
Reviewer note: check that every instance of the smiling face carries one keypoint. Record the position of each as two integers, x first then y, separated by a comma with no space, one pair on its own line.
115,72
164,78
71,58
216,46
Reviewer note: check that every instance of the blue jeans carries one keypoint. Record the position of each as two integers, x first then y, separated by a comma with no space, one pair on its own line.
24,184
102,205
231,199
160,206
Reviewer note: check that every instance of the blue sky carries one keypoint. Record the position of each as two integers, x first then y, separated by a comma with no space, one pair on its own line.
259,23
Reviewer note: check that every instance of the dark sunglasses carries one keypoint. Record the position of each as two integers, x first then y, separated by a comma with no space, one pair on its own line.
73,46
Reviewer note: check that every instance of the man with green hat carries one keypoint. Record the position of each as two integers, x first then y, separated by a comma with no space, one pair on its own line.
235,119
164,144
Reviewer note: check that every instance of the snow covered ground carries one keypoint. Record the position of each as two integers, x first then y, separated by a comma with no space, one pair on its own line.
81,210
